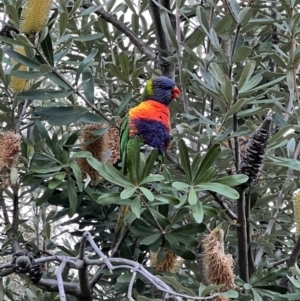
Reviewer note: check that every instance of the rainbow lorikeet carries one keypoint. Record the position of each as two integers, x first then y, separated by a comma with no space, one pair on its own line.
150,121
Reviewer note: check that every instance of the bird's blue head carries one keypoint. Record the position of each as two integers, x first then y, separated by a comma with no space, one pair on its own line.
161,89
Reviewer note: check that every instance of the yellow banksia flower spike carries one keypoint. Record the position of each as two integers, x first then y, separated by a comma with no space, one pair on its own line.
170,262
296,199
19,84
104,148
34,16
219,266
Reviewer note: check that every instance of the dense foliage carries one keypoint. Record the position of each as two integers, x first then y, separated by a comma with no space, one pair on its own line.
235,62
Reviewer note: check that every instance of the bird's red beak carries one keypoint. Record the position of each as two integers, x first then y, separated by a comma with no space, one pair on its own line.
175,93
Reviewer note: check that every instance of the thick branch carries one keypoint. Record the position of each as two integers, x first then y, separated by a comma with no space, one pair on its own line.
50,285
134,39
60,282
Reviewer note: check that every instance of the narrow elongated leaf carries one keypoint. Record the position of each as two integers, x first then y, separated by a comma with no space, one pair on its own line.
197,212
109,198
150,239
85,63
246,74
241,54
168,30
78,176
167,199
48,49
88,84
136,207
21,58
221,189
192,198
208,160
72,195
226,88
185,160
233,180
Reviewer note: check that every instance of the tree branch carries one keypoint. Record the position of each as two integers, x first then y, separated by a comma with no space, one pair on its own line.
134,39
60,282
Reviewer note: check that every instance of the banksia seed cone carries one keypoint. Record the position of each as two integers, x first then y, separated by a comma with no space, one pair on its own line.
19,84
104,148
252,160
296,199
10,144
219,266
170,263
35,16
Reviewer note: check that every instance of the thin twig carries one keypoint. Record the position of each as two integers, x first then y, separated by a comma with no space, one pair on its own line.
134,39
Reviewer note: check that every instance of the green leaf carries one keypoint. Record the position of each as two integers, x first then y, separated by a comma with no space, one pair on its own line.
88,84
124,61
233,180
185,160
241,54
192,228
208,160
85,63
235,108
21,58
109,173
152,178
63,23
89,37
227,90
78,176
221,189
147,193
43,94
246,74
150,239
167,199
127,193
136,207
286,162
72,196
235,8
197,212
216,71
192,198
48,49
109,198
230,294
180,185
167,27
135,160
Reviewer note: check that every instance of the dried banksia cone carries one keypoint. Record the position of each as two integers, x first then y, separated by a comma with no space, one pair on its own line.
35,15
296,199
10,144
255,151
219,266
105,148
170,263
19,84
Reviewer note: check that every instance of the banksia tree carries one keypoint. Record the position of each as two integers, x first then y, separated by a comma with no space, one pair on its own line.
296,199
170,262
105,148
35,16
19,84
218,265
252,160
